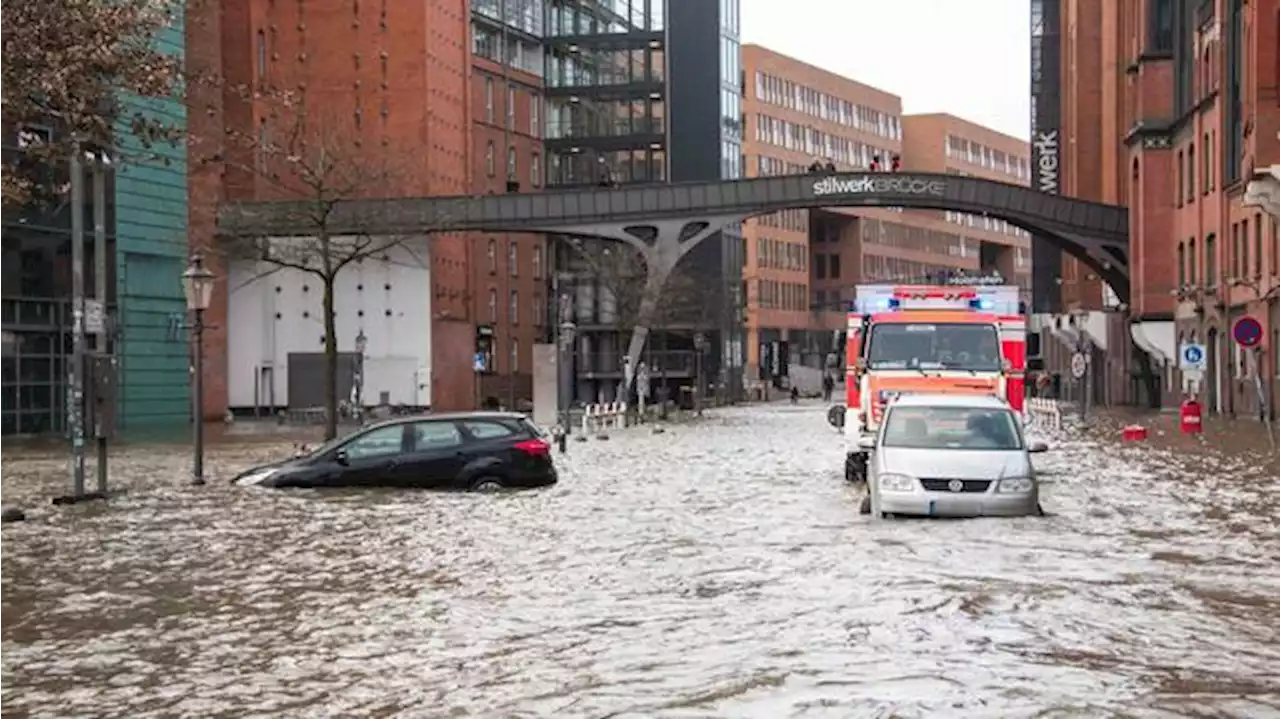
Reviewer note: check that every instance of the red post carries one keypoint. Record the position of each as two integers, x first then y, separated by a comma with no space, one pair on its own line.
1189,416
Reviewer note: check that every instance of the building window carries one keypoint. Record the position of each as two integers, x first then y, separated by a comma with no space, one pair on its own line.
488,100
1177,185
513,308
537,262
513,258
511,108
515,355
535,170
835,267
1161,20
1257,246
493,306
1206,157
262,55
511,163
1191,261
489,159
493,256
1182,264
1191,173
535,120
1243,270
1210,258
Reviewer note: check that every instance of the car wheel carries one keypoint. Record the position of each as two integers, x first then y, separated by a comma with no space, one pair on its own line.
488,484
865,507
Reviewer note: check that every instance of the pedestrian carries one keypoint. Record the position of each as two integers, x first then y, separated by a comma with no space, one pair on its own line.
828,386
795,394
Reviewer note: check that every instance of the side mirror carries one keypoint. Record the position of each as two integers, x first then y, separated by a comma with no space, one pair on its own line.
1037,446
867,443
835,416
341,458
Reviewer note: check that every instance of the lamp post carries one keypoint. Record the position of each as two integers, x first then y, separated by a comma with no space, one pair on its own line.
362,343
197,285
565,377
699,346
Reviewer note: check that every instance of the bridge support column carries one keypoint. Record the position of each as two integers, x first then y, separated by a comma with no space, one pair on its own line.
662,243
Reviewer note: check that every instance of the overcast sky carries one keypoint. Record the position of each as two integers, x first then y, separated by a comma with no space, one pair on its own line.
966,57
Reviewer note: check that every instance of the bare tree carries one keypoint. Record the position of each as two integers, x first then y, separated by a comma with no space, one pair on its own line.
318,165
69,65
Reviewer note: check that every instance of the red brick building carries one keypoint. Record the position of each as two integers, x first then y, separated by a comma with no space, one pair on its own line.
400,81
1172,109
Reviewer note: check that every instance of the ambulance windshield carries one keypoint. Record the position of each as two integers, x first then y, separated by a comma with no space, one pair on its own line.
942,346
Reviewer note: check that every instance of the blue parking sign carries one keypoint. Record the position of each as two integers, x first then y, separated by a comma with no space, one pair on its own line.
1191,356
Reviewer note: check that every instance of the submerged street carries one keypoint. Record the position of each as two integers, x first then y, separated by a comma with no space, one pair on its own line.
717,570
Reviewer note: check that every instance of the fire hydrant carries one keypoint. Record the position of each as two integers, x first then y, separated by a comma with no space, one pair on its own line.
1189,416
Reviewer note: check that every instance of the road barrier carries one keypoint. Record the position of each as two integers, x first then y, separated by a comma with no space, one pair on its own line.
607,415
1044,412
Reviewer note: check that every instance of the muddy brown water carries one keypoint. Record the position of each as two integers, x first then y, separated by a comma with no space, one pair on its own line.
716,570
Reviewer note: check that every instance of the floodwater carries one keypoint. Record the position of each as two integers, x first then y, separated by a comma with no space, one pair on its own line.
717,570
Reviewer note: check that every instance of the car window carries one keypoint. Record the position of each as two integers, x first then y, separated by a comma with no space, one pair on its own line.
435,435
381,442
951,428
487,430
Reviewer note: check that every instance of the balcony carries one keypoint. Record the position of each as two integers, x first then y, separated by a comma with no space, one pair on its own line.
600,127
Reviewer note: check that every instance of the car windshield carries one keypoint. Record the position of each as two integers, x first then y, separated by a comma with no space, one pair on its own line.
969,346
951,428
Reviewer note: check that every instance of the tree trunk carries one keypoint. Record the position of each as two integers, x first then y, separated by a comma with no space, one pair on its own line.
648,310
330,363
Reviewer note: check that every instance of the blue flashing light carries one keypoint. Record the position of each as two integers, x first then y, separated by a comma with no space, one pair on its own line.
893,303
981,304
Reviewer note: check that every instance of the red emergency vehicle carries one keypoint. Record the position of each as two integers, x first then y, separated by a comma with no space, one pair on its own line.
929,339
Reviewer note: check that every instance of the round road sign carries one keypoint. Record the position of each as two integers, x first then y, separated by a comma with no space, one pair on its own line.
1247,332
1079,365
1192,355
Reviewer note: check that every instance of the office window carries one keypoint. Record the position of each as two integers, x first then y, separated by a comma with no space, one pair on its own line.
513,258
535,170
835,267
1210,259
1182,264
493,255
1206,171
1192,267
1177,185
535,120
1243,270
1257,245
493,306
820,266
511,108
488,101
511,163
489,159
515,355
513,308
537,262
1191,173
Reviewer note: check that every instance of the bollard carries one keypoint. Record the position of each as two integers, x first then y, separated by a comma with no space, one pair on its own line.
1133,433
1189,416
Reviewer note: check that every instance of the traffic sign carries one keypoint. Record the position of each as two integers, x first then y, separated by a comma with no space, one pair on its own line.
1079,365
1247,332
1191,356
95,317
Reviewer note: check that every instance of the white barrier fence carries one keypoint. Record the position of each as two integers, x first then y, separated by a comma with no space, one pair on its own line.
1044,412
607,415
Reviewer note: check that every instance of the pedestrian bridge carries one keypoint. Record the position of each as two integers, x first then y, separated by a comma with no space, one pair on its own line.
669,219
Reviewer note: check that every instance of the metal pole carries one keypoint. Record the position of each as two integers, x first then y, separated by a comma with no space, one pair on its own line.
197,471
100,292
75,398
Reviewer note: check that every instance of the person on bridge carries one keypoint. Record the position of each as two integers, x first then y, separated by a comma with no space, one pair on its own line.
815,167
875,163
896,165
831,166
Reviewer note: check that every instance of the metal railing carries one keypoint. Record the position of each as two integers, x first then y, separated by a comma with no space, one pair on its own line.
668,363
605,128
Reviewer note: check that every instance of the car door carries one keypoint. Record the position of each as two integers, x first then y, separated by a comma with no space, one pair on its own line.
488,448
435,456
371,458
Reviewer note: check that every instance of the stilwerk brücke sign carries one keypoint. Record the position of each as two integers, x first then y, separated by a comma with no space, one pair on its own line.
890,185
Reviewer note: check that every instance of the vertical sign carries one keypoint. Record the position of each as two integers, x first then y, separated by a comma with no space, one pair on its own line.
1046,147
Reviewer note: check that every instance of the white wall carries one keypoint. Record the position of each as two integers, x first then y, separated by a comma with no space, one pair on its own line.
398,356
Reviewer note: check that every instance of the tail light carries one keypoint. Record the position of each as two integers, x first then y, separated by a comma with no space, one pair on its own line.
534,447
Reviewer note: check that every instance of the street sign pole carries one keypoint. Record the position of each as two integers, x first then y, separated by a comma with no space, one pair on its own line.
75,389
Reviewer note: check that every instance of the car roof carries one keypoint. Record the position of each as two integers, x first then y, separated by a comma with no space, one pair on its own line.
963,401
478,414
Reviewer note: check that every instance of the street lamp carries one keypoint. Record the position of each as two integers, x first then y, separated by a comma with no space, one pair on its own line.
362,343
197,285
565,377
699,347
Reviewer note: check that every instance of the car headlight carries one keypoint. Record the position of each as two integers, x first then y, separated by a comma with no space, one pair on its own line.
1016,485
897,483
255,478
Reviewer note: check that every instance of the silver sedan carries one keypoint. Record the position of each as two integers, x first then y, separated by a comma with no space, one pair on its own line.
951,456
